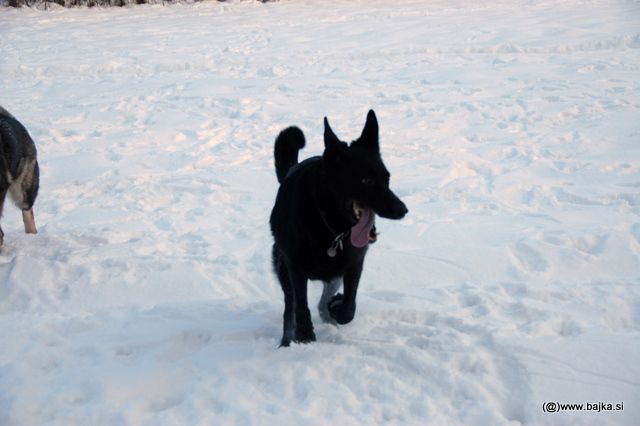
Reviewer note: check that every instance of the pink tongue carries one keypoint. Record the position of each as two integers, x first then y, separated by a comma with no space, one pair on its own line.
360,231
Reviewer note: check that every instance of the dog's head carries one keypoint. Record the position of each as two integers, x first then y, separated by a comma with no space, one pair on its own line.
358,176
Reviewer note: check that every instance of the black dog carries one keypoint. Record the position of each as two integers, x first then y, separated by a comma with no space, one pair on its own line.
19,173
323,221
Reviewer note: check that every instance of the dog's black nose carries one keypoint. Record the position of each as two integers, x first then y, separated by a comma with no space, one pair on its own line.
393,208
400,210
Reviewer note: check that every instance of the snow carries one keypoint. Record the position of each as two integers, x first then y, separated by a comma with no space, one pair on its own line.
511,131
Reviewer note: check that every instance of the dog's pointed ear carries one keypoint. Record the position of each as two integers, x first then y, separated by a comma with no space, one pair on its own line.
332,145
331,141
369,136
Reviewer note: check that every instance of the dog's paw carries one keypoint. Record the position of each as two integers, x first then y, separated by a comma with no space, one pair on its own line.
287,337
285,342
305,335
325,315
304,332
339,311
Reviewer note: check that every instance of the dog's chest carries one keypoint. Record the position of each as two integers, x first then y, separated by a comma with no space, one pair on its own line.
319,265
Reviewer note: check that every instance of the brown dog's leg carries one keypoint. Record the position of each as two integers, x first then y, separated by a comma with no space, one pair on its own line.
3,193
29,222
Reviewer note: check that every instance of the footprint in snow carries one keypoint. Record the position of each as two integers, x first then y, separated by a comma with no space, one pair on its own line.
530,259
6,255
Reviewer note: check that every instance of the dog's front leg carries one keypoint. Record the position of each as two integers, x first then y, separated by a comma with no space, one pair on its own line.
343,307
304,326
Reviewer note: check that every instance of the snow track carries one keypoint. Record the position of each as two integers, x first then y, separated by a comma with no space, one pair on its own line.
511,131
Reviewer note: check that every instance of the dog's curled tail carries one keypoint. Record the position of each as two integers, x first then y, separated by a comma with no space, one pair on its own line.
288,143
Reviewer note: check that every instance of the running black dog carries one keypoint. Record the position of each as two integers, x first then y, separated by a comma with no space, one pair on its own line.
323,221
19,173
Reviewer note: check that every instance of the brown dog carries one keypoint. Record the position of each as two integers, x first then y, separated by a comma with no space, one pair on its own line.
19,172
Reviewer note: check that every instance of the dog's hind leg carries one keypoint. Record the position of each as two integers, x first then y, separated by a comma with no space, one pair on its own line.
297,325
29,221
24,191
289,316
3,194
304,326
330,288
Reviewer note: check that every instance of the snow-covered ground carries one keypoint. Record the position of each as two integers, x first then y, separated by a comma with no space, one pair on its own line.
512,131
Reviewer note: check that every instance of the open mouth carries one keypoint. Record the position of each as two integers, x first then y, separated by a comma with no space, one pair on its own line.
364,231
357,210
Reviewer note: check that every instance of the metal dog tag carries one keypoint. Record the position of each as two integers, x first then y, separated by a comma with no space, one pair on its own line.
337,244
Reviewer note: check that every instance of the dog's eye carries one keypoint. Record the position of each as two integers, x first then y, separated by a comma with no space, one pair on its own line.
367,181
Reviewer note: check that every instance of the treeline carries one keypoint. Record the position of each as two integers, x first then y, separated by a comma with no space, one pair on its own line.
44,4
